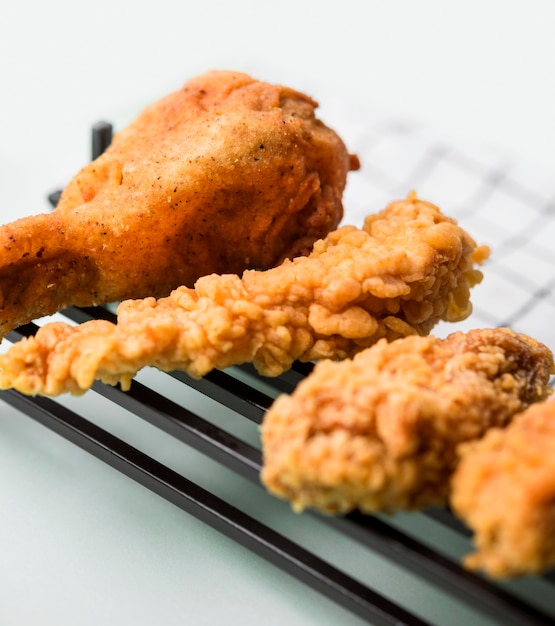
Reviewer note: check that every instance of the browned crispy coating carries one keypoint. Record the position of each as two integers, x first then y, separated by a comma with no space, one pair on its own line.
379,432
409,268
225,174
504,489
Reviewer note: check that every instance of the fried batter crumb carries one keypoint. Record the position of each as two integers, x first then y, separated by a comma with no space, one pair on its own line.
410,267
379,432
504,489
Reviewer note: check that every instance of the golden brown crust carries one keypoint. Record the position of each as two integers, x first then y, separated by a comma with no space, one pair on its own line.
504,489
379,432
224,174
409,268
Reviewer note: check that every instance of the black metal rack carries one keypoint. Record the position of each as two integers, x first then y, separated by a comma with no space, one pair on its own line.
247,396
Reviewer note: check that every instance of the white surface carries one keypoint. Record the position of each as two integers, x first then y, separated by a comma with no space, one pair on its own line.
81,544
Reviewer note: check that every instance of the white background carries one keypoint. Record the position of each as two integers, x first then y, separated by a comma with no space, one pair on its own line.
478,70
79,544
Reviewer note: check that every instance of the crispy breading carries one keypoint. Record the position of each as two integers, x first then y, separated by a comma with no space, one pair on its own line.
504,489
379,432
226,173
409,267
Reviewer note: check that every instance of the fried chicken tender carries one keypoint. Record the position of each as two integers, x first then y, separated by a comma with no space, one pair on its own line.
504,489
409,267
225,174
379,432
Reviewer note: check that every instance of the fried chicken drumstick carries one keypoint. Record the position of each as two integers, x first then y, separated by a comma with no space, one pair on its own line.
379,432
504,489
407,269
225,174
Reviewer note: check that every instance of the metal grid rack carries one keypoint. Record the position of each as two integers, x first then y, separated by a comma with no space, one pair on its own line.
501,203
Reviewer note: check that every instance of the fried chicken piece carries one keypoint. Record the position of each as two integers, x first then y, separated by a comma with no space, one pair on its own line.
379,432
410,267
504,489
225,174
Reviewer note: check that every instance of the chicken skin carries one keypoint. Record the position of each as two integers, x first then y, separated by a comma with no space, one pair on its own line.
409,267
225,174
379,432
504,489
